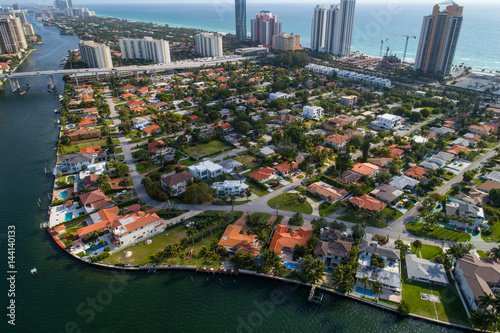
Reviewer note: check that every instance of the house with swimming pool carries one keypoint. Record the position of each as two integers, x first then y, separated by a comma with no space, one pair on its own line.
284,241
333,247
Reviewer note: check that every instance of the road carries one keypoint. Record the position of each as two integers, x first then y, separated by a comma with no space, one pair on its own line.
156,67
396,230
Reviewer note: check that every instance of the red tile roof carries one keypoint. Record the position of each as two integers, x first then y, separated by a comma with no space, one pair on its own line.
262,173
416,172
286,166
365,168
456,149
366,202
282,238
234,239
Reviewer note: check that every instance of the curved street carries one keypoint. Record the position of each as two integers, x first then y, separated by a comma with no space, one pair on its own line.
396,230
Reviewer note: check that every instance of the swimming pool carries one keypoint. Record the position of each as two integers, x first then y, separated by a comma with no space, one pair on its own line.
366,292
63,194
290,265
68,216
329,271
97,247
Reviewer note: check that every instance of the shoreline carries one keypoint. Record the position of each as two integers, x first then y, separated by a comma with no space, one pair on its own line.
2,82
146,268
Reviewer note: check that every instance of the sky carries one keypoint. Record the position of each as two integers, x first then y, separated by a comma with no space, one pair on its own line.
77,3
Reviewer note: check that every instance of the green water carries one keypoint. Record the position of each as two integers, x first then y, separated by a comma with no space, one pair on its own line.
68,296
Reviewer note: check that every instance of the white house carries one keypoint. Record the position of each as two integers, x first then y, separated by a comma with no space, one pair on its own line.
134,228
141,122
312,112
388,121
424,270
206,170
276,95
230,165
229,187
74,162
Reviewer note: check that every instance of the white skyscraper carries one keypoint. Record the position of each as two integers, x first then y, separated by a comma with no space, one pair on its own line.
209,44
146,49
95,55
339,23
318,29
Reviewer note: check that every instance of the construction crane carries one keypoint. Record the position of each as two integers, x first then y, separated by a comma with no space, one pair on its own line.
406,46
381,44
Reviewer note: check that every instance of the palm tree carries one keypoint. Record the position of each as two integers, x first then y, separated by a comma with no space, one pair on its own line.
219,216
210,223
232,198
191,232
200,227
487,300
495,253
377,288
417,244
365,281
342,279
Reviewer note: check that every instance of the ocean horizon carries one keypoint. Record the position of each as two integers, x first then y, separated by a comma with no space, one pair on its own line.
478,46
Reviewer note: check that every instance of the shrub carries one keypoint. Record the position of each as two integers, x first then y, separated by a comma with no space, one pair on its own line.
296,219
404,308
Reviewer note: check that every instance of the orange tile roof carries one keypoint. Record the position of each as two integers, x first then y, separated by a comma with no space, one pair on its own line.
151,128
155,145
286,166
337,139
234,239
321,148
195,118
138,109
135,103
106,215
60,228
365,168
262,173
327,192
367,203
125,96
142,221
397,152
416,172
88,121
282,238
94,150
144,90
456,149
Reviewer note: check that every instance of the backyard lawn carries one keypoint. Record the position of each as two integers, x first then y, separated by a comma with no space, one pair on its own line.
441,233
449,309
141,167
75,148
327,209
391,213
428,252
257,190
495,233
206,149
290,202
248,160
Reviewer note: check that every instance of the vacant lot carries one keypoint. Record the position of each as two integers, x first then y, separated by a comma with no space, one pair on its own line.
291,203
417,229
206,149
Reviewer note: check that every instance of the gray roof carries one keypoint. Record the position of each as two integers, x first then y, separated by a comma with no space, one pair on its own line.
401,182
461,142
230,164
430,165
386,277
494,175
77,158
387,193
444,156
392,255
460,208
442,130
424,269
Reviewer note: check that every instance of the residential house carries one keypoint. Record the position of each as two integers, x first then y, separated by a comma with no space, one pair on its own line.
82,134
349,132
368,203
276,95
367,169
389,276
349,101
456,149
476,197
489,185
101,221
230,165
461,142
141,122
381,162
285,241
224,112
233,240
396,152
416,172
74,162
150,129
338,141
472,138
133,104
388,121
386,193
95,200
349,177
403,182
493,175
476,277
328,193
333,247
263,174
136,227
157,148
285,118
423,270
464,209
90,181
267,151
286,167
160,106
205,170
483,130
230,187
312,112
177,182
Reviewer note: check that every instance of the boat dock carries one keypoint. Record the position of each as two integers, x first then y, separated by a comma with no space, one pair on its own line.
217,271
314,298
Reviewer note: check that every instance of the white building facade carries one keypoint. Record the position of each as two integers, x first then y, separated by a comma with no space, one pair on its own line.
206,170
312,112
209,44
155,50
388,121
95,55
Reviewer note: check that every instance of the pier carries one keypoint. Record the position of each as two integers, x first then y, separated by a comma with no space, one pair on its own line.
217,271
313,298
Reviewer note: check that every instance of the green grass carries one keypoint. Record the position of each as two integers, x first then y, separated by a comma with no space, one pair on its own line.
300,176
327,209
428,252
75,148
437,233
206,149
479,182
495,234
257,190
248,160
188,162
290,202
391,213
450,309
482,254
141,167
264,216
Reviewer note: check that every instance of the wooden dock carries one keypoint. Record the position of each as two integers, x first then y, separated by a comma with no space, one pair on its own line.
314,298
217,271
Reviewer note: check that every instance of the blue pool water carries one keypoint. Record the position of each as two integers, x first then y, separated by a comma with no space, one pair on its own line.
97,247
329,271
290,265
68,216
366,292
63,194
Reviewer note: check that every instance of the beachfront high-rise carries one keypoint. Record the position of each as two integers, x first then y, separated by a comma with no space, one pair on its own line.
438,39
95,55
264,26
339,23
318,29
155,50
209,44
12,38
241,19
286,42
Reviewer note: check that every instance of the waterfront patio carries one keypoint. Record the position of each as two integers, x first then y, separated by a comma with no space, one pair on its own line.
60,214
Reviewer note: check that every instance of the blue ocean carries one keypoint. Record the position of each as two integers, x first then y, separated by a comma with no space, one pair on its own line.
478,47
